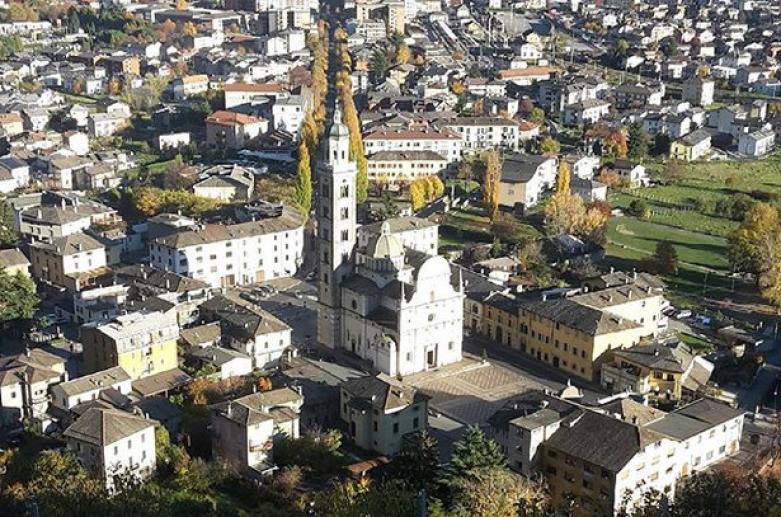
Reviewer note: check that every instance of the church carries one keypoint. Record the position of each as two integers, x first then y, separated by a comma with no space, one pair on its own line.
384,293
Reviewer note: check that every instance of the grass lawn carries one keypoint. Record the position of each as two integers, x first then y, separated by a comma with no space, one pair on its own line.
79,99
468,186
698,345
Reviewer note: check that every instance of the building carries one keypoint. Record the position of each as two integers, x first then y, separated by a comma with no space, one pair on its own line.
249,329
189,85
102,125
415,233
69,216
237,94
443,142
525,178
589,190
24,384
73,262
667,372
14,174
244,430
68,394
379,412
110,442
395,307
142,343
756,143
229,130
694,146
237,254
482,133
698,91
632,174
588,111
13,262
396,168
226,183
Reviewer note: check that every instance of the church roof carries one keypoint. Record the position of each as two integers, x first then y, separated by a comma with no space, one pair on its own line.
385,245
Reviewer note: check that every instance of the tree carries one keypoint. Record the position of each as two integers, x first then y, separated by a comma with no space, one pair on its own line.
549,146
417,463
752,246
563,177
403,54
661,144
379,64
18,298
564,214
593,225
491,180
615,145
360,498
609,177
621,47
665,258
189,29
673,172
638,142
8,234
728,492
537,115
304,181
181,5
639,208
495,492
464,172
473,451
73,24
417,195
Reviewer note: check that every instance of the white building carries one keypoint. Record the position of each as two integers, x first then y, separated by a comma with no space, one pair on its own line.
395,307
84,389
445,143
587,111
401,167
187,86
24,384
482,133
14,174
172,140
105,124
109,442
698,91
757,143
288,113
237,254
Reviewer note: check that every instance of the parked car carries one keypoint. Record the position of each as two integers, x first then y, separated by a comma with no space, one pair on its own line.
683,314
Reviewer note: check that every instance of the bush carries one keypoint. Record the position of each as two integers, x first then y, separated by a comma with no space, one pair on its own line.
639,208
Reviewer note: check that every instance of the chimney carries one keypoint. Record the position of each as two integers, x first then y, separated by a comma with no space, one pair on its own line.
612,269
230,408
544,297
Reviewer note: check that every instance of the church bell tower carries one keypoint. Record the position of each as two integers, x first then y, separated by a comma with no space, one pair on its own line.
336,229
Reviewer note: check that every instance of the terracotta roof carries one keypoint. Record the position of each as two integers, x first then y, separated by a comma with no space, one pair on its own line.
254,88
532,71
229,118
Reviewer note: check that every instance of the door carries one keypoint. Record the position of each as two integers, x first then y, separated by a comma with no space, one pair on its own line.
228,281
260,275
431,358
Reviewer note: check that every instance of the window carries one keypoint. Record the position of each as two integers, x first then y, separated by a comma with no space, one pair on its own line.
415,423
395,428
344,191
345,235
344,213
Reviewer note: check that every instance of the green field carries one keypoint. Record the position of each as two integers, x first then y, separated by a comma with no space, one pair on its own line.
686,214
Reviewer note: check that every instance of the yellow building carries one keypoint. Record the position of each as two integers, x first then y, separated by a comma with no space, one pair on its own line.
142,343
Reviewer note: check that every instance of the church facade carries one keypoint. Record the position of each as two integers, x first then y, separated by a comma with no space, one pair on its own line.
396,307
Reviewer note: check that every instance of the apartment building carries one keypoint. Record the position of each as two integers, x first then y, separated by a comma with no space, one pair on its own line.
444,142
396,168
379,412
699,91
238,254
102,125
482,133
189,85
237,94
587,111
73,262
249,329
142,343
524,179
24,384
244,430
110,442
694,146
68,394
230,130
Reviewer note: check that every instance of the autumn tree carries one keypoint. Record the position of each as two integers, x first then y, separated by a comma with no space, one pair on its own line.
609,177
496,492
751,247
403,54
563,177
304,181
564,213
491,180
615,145
549,146
18,298
189,29
417,195
181,5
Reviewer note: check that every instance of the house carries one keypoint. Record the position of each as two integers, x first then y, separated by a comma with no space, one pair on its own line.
105,124
12,124
226,362
226,183
77,142
694,146
244,430
230,130
189,85
71,393
698,91
67,217
378,412
111,442
589,190
529,75
288,112
168,141
631,95
124,65
633,174
24,384
35,119
756,143
73,261
395,168
14,174
524,178
237,94
661,370
13,262
142,343
249,329
234,254
585,112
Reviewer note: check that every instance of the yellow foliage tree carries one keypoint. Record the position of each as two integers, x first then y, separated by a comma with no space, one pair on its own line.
417,196
181,5
563,177
564,213
189,29
403,54
491,180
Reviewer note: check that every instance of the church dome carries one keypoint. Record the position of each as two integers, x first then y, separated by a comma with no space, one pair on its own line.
338,129
385,245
